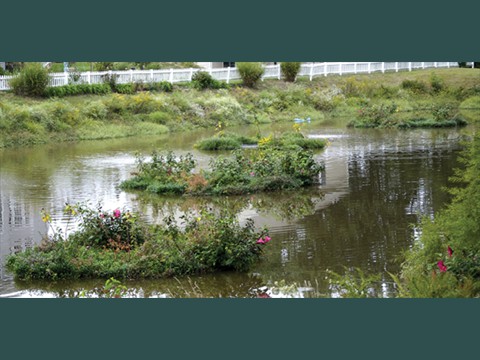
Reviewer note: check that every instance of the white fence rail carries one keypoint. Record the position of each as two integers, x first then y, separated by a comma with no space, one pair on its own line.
226,74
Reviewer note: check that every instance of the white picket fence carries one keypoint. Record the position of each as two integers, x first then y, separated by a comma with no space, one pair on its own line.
309,70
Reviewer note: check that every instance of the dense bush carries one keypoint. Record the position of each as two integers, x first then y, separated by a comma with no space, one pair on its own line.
118,244
32,80
202,80
250,72
290,70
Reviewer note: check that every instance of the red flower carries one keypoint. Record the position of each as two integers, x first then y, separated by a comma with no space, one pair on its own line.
441,266
450,251
116,213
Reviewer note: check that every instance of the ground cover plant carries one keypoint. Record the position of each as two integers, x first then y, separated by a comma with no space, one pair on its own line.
117,244
244,171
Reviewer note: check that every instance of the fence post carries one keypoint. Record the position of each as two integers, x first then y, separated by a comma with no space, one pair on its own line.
325,68
423,64
279,71
396,66
151,75
171,76
191,74
473,64
131,76
409,66
89,80
369,67
435,64
65,78
383,68
228,75
311,72
340,68
355,68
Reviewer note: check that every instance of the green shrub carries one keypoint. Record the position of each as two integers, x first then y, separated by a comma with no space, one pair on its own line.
125,89
250,72
32,80
202,80
290,70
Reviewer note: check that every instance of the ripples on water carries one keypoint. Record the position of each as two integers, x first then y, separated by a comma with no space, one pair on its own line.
376,185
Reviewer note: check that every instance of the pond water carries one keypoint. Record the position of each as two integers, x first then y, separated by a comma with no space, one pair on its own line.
376,186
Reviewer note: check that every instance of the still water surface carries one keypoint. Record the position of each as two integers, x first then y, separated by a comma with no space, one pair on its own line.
376,186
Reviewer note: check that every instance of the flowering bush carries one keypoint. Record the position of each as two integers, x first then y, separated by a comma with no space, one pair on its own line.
116,244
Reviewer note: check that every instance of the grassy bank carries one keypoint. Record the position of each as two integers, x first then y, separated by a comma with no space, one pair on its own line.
439,92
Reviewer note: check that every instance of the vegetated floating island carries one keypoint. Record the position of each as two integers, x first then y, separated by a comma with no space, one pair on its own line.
245,171
118,244
229,141
388,115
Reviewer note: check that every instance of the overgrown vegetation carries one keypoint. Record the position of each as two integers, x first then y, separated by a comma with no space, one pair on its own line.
245,171
445,260
119,245
400,99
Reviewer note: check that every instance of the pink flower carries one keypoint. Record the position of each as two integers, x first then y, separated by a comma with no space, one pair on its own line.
441,266
264,240
450,251
116,213
252,174
102,215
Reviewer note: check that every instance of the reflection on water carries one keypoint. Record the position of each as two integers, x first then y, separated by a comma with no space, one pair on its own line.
375,186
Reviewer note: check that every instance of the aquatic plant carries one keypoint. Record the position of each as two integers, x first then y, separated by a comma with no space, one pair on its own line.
118,244
244,171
